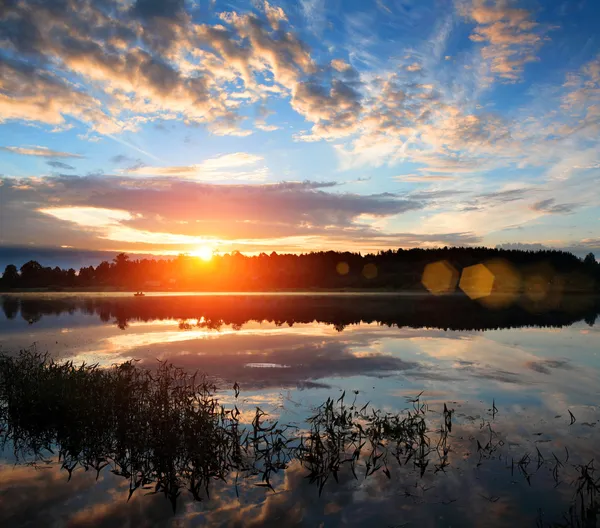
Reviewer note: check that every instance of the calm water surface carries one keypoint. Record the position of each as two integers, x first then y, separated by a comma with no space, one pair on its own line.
512,376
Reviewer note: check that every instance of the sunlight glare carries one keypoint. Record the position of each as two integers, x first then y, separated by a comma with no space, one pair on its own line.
204,252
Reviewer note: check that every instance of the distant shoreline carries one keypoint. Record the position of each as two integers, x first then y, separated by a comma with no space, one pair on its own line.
219,292
314,291
408,272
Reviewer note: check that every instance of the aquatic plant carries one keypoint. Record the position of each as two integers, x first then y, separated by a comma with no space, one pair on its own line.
165,431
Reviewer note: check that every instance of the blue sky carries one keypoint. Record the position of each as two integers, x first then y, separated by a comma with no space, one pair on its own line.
174,126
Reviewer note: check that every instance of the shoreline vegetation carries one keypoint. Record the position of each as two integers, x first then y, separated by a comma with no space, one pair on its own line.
437,271
166,431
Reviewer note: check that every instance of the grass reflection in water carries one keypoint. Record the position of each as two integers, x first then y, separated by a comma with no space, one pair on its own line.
166,431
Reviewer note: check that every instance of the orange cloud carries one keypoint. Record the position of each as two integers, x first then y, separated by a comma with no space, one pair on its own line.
510,36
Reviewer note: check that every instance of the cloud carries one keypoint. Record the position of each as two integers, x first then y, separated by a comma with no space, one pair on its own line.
308,354
36,494
580,248
509,195
550,206
44,152
174,215
148,9
335,111
147,66
266,128
436,194
152,62
147,213
117,66
60,165
509,35
88,216
293,202
340,65
218,168
275,15
147,62
121,158
395,119
314,13
63,257
418,178
47,487
545,366
262,113
30,94
583,87
523,246
580,104
236,159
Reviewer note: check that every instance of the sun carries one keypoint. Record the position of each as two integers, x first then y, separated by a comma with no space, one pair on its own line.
203,252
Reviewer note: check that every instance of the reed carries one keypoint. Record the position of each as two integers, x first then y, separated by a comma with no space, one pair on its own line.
165,431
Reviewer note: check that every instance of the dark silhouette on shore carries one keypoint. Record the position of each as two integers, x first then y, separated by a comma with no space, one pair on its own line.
451,312
391,270
165,431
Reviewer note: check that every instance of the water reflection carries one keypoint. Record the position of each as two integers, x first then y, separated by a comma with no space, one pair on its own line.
289,355
415,311
165,432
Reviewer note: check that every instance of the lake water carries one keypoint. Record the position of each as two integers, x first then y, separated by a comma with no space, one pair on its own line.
523,382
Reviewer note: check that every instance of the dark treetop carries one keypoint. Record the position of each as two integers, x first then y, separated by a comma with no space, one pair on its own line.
391,270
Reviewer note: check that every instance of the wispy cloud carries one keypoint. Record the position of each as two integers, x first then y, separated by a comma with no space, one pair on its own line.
43,152
550,206
88,216
224,167
60,165
314,14
423,178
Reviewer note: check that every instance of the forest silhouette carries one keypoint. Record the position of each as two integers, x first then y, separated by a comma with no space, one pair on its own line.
388,270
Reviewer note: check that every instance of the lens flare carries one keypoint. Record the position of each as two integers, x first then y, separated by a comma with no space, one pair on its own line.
477,281
507,284
342,268
440,277
369,271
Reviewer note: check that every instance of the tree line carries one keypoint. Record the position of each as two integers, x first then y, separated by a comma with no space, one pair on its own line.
400,269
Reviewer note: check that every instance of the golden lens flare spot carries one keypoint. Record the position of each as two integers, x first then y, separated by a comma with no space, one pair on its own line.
205,253
536,287
369,271
543,288
342,268
507,284
477,281
440,277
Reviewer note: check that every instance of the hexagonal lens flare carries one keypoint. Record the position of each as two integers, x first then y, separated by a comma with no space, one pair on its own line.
440,277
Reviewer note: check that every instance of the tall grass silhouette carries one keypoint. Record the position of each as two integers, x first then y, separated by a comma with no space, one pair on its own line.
165,431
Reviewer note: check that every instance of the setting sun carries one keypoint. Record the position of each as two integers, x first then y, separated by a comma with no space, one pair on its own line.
204,252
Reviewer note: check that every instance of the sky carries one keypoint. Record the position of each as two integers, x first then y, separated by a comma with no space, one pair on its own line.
177,126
